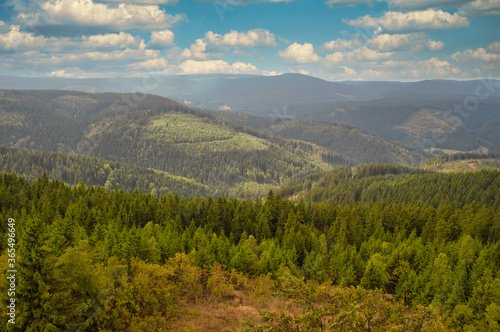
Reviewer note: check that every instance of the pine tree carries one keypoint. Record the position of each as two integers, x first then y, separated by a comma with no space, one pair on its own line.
36,280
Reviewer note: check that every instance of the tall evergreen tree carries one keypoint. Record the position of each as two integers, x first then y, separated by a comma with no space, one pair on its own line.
36,280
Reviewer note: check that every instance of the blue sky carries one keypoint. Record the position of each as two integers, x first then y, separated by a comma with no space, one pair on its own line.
332,39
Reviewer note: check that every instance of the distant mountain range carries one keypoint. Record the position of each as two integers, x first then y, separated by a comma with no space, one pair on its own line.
437,116
153,132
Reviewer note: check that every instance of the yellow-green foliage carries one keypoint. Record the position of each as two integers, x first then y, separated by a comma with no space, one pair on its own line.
74,103
315,307
11,119
240,141
182,128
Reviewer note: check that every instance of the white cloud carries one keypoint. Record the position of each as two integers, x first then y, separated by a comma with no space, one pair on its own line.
4,27
395,63
146,2
481,8
16,41
434,67
346,3
196,51
385,42
370,73
349,71
494,47
365,53
215,66
244,2
149,64
252,38
125,16
478,54
435,45
429,19
334,58
162,39
299,53
409,41
61,73
111,40
301,71
270,73
401,5
341,44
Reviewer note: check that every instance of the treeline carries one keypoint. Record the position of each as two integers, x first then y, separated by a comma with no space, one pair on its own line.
108,260
436,161
396,184
73,168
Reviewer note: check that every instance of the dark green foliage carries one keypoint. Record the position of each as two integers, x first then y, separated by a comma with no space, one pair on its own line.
150,132
387,183
421,255
344,139
73,168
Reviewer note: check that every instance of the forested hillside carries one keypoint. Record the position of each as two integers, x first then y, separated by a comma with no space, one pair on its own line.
463,162
73,169
396,184
343,139
154,132
109,260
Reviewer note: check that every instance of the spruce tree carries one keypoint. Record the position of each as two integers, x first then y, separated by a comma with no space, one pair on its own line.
36,281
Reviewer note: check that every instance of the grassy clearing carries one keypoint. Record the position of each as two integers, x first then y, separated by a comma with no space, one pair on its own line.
468,165
185,128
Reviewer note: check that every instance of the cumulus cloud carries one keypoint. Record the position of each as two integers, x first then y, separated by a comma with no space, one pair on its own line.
162,39
349,71
365,53
334,58
149,64
346,3
215,66
124,16
15,40
478,54
433,45
196,50
270,73
370,73
494,47
299,53
481,8
401,5
61,73
387,42
341,44
146,2
434,67
4,27
429,19
252,38
111,40
245,2
414,41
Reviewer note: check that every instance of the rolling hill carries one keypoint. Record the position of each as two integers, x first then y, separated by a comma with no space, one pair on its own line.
463,162
93,171
434,116
158,133
341,138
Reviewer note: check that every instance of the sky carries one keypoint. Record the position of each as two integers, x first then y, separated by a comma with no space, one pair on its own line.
337,40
